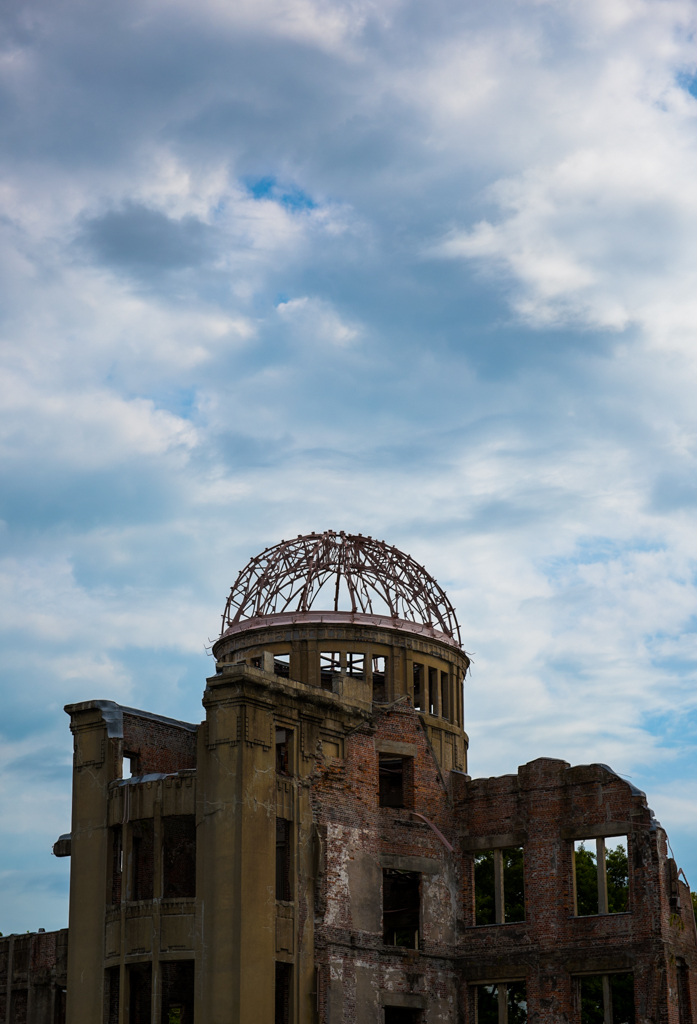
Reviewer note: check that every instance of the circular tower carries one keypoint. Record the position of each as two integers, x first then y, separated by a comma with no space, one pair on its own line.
351,615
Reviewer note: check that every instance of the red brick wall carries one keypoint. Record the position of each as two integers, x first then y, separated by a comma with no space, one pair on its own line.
160,747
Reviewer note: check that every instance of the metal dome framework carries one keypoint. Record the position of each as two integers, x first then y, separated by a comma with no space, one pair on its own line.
289,576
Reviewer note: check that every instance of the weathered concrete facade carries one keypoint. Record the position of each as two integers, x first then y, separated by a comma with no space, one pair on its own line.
314,852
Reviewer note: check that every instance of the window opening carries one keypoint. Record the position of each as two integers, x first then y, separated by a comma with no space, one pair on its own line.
329,666
177,991
111,995
418,686
355,665
401,904
130,763
116,863
684,1000
283,859
445,695
601,877
391,771
257,662
140,985
179,856
379,678
402,1015
607,999
433,691
502,1003
142,836
281,665
282,994
282,751
499,890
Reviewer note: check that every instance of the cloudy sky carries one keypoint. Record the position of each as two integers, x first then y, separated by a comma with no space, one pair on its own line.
423,271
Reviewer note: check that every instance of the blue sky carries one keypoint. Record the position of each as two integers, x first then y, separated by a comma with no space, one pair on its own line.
426,272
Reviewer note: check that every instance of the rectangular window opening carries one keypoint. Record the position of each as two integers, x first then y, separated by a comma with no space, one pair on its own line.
601,876
607,998
418,687
281,665
391,771
433,691
499,886
379,665
684,998
140,993
177,978
355,665
282,993
116,863
282,751
502,1003
130,765
179,856
143,840
283,838
402,1015
257,662
329,666
111,995
445,695
401,905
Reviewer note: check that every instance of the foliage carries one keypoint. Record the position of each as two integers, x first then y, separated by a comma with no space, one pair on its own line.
513,885
586,882
484,899
617,880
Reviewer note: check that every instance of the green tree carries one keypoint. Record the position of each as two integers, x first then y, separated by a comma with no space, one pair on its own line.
513,887
617,880
586,882
484,900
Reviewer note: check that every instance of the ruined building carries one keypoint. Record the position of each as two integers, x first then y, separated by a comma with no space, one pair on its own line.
314,852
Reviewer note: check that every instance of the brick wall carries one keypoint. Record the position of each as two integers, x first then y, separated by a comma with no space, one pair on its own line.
160,747
545,807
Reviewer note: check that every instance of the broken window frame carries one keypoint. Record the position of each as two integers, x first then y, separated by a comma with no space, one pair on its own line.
281,664
329,667
499,868
608,1008
355,664
390,931
503,989
601,853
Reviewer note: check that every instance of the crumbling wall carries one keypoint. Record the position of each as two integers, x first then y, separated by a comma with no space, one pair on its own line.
359,974
33,977
159,746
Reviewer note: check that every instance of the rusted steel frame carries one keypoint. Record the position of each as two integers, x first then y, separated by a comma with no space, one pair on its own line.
434,828
294,572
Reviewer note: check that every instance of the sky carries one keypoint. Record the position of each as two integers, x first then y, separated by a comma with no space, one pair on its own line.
422,271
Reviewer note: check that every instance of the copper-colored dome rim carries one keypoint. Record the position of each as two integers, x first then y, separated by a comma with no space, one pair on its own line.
337,618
